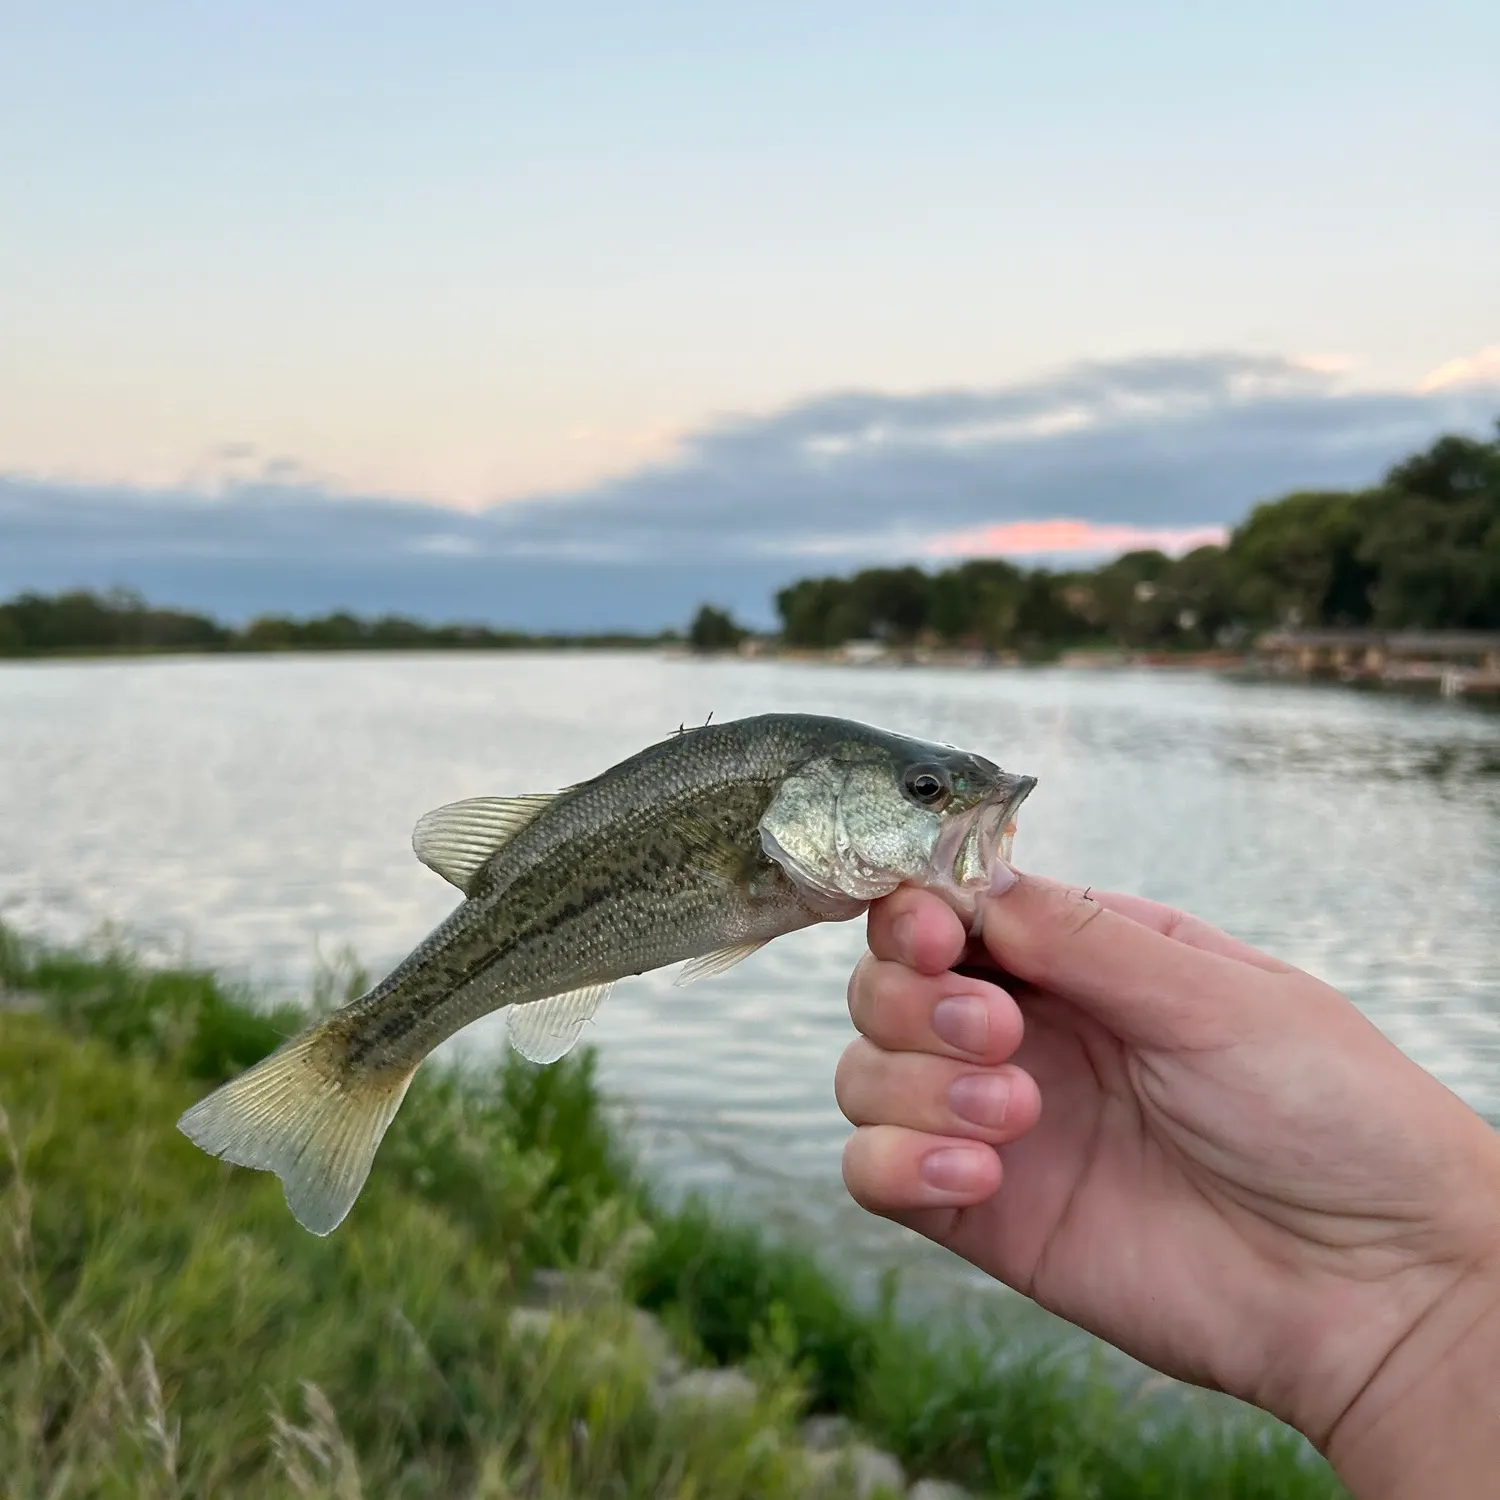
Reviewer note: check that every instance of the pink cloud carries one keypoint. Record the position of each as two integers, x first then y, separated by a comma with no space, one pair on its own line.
1048,538
1481,368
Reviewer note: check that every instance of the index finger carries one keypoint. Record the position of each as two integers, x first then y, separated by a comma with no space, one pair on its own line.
1185,928
915,928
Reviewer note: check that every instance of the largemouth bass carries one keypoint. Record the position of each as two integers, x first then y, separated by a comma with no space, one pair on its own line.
701,848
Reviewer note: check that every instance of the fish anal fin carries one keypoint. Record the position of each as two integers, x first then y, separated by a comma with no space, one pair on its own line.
717,961
457,840
544,1030
299,1116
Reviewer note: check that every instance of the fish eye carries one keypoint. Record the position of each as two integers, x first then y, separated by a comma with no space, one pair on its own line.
926,786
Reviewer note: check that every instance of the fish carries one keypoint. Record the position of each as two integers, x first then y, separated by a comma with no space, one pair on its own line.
698,850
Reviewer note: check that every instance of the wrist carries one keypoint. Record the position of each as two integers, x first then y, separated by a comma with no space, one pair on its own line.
1428,1419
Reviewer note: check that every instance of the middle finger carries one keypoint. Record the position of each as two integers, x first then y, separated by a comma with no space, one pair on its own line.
948,1014
934,1094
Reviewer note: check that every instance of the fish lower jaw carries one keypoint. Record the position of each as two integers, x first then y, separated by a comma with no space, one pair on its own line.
836,906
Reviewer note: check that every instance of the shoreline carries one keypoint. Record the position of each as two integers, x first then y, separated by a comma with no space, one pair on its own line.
1415,678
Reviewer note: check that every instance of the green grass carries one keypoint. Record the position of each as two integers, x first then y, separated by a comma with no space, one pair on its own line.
167,1329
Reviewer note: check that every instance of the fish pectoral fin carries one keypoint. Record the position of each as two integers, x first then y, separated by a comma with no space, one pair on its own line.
711,851
544,1030
458,839
295,1115
716,962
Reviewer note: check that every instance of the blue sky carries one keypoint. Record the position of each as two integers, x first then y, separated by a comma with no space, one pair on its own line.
458,255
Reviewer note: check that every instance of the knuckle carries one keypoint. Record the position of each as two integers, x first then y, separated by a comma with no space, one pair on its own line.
882,994
882,917
1033,950
1079,909
883,1003
857,1170
853,1074
841,1078
859,984
1177,923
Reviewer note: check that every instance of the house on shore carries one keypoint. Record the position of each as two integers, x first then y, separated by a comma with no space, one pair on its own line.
1453,661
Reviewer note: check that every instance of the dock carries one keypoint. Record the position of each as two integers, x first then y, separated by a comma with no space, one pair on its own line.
1454,663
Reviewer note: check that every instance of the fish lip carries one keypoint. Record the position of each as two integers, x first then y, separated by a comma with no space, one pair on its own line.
1024,787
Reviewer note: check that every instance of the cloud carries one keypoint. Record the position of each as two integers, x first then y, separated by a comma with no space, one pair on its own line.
1327,364
1157,443
1067,538
1482,368
1098,457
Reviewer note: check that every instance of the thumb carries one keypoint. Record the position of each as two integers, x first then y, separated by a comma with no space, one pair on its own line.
1147,987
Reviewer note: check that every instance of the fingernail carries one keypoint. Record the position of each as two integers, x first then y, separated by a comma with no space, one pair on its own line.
952,1169
1002,877
902,932
980,1098
963,1021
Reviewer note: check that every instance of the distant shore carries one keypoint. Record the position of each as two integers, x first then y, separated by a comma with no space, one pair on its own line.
1435,676
571,645
1451,663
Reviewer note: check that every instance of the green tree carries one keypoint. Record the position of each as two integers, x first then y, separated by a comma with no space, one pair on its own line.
975,603
270,633
714,630
819,612
1203,594
1298,560
1435,563
1132,598
891,603
74,621
1044,617
1453,469
1432,538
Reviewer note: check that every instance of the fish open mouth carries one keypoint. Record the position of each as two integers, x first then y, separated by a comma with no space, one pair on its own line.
968,846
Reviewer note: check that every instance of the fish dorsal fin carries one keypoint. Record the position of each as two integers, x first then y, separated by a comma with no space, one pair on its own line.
717,961
457,840
543,1030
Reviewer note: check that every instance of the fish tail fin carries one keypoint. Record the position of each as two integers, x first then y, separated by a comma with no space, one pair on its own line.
301,1115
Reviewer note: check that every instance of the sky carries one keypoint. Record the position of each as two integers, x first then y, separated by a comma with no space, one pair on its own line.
305,304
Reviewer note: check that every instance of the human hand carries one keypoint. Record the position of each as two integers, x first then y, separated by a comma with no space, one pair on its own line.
1205,1156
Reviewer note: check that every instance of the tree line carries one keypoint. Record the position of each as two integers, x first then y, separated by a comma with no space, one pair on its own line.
121,621
1421,549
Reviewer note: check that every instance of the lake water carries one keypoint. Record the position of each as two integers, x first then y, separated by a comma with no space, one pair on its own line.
255,812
